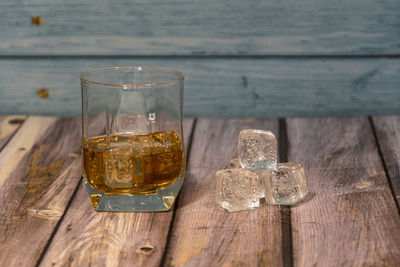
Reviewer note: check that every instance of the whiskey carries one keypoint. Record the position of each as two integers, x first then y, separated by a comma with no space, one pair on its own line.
133,163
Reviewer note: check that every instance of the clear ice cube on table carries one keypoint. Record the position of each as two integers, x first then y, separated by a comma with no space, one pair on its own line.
237,189
258,150
235,164
284,186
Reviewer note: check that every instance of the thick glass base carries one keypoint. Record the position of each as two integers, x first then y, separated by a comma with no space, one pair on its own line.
162,200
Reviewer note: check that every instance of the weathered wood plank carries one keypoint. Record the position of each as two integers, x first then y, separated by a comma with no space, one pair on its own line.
204,234
39,170
90,238
388,132
221,87
8,126
350,218
125,27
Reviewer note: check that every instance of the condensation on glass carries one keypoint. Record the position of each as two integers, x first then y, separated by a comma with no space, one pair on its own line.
133,154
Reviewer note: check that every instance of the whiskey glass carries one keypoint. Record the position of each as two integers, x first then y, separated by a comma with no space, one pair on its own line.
133,151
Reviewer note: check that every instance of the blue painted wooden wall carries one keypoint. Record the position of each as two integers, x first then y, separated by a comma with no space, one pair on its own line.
240,58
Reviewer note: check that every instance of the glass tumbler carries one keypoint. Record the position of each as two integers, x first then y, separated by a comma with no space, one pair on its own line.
133,154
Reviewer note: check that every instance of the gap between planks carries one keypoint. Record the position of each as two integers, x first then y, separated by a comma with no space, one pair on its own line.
384,165
9,126
286,222
189,149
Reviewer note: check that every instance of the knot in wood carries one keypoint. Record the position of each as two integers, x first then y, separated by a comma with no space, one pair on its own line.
44,213
37,20
43,92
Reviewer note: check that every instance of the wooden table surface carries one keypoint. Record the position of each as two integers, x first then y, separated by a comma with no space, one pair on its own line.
350,218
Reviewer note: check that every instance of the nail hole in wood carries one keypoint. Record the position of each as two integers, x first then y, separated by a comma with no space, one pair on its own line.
146,249
22,148
16,121
43,92
37,20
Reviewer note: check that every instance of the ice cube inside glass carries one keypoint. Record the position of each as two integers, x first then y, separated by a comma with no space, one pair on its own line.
258,150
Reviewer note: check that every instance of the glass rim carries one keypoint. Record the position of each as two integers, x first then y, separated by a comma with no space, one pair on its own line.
139,68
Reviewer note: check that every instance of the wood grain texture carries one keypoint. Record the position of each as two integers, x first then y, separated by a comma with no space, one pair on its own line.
204,234
221,87
39,170
182,27
90,238
8,126
388,132
350,218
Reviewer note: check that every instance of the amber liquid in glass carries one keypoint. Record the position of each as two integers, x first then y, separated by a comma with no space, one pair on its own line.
133,163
